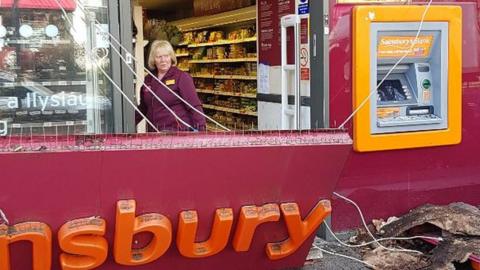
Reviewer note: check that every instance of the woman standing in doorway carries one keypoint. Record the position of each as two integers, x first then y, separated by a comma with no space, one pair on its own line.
162,62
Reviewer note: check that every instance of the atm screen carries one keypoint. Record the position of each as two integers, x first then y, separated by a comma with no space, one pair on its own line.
391,90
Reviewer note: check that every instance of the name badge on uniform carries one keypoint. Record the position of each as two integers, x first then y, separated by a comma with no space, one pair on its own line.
170,82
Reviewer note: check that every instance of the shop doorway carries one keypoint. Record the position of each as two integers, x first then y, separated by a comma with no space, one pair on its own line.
232,51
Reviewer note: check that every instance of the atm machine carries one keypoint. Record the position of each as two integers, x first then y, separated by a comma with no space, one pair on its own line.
407,77
414,94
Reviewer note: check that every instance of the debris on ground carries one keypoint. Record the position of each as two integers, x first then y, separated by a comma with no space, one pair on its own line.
454,230
385,259
319,260
456,218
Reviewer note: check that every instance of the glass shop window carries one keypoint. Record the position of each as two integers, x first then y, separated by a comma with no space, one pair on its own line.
49,82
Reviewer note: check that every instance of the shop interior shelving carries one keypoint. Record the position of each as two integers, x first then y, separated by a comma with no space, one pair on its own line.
222,60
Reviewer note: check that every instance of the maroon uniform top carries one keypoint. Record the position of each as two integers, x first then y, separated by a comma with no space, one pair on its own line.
180,82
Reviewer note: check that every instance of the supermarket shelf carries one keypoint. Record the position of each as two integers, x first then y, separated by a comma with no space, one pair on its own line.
182,44
225,77
232,60
184,69
38,42
220,19
182,54
223,42
223,109
52,83
231,94
213,127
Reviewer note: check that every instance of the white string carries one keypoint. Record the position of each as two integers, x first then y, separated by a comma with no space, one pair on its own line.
375,240
148,71
343,256
153,93
379,239
118,88
108,77
4,217
123,93
163,104
391,69
149,89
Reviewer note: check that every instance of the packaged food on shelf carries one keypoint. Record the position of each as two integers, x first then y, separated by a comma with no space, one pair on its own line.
237,51
241,33
204,84
183,63
216,36
181,50
188,37
229,100
248,105
220,53
156,29
201,37
210,54
251,69
198,53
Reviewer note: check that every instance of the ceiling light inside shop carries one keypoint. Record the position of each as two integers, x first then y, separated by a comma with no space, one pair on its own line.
51,30
26,31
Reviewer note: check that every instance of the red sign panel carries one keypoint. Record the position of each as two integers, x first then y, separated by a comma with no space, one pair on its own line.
182,189
269,14
304,74
69,5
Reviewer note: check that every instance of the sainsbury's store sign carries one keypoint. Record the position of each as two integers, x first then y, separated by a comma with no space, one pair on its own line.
83,245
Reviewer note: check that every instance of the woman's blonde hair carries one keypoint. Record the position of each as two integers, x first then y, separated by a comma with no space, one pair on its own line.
160,44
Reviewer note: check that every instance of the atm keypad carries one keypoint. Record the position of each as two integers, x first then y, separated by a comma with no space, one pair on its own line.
406,120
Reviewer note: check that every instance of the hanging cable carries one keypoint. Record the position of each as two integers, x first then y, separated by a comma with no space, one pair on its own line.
3,218
155,95
379,239
391,69
150,90
123,94
148,71
106,75
375,240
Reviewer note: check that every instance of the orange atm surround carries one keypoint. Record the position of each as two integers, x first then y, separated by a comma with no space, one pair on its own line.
364,18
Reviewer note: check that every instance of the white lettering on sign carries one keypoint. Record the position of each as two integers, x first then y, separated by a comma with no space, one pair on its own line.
3,128
405,41
103,38
59,100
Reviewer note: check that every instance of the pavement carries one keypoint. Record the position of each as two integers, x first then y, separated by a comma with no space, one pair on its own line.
321,260
318,260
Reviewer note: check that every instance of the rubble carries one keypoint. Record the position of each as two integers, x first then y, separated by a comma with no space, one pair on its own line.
388,260
454,249
456,218
325,261
457,224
